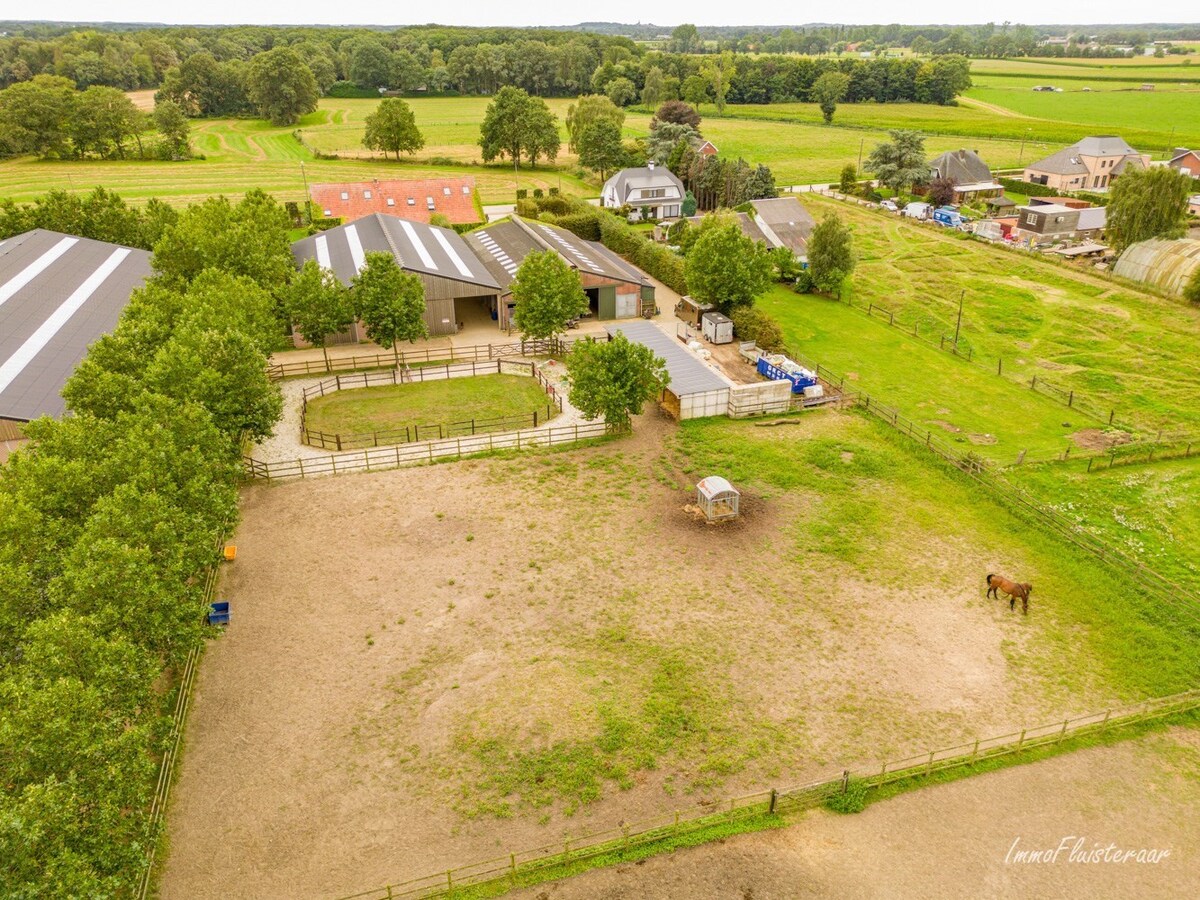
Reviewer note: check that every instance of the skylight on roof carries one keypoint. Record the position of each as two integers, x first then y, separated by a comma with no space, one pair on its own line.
446,191
345,195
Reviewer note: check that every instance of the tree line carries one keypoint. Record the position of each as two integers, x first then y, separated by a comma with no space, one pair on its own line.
47,116
108,520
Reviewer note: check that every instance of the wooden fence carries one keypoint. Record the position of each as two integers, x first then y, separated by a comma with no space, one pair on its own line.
183,703
420,357
375,459
515,868
432,430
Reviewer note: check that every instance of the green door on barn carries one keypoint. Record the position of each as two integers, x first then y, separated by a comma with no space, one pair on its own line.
606,302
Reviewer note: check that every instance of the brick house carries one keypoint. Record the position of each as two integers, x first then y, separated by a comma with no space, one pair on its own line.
1087,165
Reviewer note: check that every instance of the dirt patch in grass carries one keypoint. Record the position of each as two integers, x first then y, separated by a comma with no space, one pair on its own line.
1099,439
427,667
983,439
948,426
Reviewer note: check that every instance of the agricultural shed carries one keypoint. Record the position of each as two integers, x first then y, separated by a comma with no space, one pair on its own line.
615,288
1169,265
413,199
58,294
456,283
696,390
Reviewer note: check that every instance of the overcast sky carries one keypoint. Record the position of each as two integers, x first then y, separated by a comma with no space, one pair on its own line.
556,12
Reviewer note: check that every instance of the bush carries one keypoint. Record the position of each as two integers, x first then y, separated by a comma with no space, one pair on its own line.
527,209
854,800
586,225
522,193
804,282
324,224
1026,188
538,193
443,161
751,324
348,89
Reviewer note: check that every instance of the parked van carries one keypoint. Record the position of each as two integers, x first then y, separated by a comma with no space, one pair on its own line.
917,210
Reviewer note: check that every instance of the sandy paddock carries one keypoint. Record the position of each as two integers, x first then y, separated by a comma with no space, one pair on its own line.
386,624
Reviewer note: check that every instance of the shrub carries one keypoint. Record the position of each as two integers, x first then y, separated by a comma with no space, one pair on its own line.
853,800
538,193
348,89
751,324
522,193
583,224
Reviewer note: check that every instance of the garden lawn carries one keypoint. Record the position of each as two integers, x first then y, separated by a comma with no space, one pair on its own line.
1115,346
452,401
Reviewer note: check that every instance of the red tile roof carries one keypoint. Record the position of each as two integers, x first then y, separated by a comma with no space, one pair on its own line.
416,199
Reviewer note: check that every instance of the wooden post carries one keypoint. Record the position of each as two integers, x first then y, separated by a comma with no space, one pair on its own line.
929,765
845,781
1071,399
1110,416
301,461
1062,734
1033,383
774,798
1090,461
1000,366
449,880
339,441
1021,740
512,857
1104,724
975,751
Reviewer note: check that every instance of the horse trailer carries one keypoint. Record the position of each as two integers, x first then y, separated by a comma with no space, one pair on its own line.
717,328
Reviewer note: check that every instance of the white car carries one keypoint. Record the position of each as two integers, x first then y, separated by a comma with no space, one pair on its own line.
889,205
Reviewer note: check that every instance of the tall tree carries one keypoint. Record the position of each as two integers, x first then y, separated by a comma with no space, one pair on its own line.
830,254
281,87
654,87
318,305
719,72
1146,204
517,125
392,128
726,268
35,115
828,91
621,91
614,378
601,148
588,110
547,292
370,64
678,112
665,137
174,130
104,120
390,302
695,89
900,162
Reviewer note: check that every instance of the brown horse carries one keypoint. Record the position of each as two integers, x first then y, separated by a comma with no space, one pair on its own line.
1014,590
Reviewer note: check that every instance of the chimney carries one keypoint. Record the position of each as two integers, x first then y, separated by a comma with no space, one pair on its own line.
650,165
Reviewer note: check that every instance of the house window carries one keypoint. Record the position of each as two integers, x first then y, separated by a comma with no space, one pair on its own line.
366,195
446,191
391,202
466,191
412,202
653,192
429,202
329,212
345,195
1030,218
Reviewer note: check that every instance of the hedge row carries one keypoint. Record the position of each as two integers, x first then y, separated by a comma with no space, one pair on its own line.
108,520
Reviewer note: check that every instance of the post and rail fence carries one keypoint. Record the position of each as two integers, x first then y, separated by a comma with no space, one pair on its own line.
511,870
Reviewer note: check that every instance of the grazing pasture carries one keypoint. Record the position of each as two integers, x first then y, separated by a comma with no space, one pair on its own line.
430,666
1116,346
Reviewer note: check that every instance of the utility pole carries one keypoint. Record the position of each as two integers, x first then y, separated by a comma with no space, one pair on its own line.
958,324
860,150
307,197
1021,157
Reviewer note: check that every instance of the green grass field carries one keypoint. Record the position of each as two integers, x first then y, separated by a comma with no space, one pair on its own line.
1115,346
367,410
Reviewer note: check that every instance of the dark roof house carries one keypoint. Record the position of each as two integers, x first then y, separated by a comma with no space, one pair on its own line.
58,294
652,188
777,222
960,166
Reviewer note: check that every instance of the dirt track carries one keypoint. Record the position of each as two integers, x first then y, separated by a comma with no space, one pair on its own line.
952,840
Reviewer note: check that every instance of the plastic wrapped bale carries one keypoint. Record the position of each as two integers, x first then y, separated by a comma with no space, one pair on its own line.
717,498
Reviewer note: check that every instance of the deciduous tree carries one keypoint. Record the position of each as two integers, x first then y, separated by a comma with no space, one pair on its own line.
601,149
678,112
281,87
726,268
517,125
390,302
173,129
392,128
588,110
547,292
830,254
654,87
1147,204
621,91
828,91
614,379
319,305
900,162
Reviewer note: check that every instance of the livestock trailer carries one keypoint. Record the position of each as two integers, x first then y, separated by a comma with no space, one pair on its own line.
691,311
717,328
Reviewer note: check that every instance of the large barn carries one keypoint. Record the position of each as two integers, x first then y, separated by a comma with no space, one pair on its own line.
58,294
457,284
615,288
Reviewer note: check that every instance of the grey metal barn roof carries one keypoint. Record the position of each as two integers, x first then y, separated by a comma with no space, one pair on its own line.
503,246
58,294
688,374
416,247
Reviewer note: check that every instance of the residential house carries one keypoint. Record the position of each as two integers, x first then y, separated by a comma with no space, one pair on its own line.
777,222
615,288
1046,223
704,147
1087,165
457,284
1194,205
1092,222
968,172
1185,160
414,199
58,294
652,189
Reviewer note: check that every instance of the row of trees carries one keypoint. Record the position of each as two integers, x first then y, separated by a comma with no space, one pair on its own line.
108,520
47,116
100,215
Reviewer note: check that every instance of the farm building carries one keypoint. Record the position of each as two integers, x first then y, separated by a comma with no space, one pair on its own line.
1089,164
615,288
457,284
416,200
1046,222
779,222
969,173
653,190
1168,265
1185,160
58,294
696,390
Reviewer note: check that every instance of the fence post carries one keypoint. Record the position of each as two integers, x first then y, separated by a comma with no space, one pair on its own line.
1000,366
929,765
449,880
1033,383
774,797
512,857
1021,740
845,780
1110,416
1062,734
975,751
338,437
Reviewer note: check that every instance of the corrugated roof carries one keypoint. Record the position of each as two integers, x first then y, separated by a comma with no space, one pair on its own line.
416,247
413,199
689,375
1166,264
58,294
